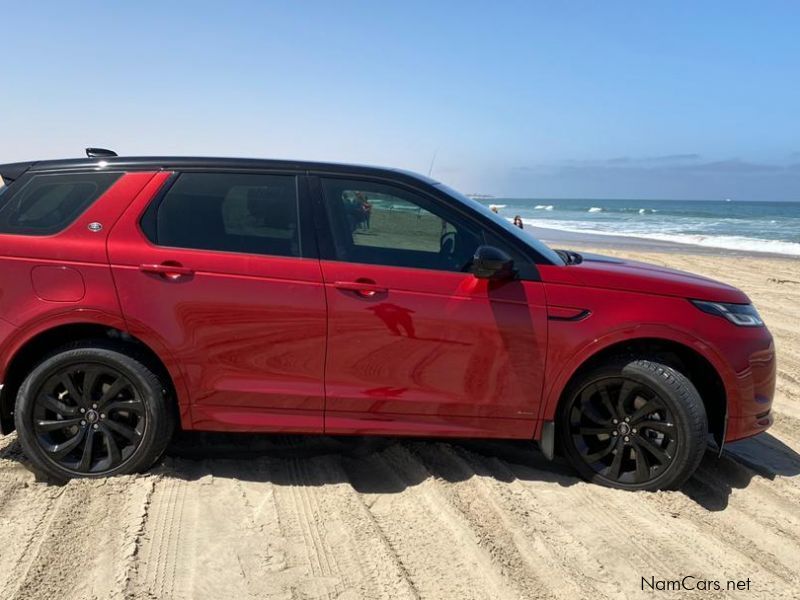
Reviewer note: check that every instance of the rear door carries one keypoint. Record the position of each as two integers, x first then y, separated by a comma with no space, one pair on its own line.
416,344
221,267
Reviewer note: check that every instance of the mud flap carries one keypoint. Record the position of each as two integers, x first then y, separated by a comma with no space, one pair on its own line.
547,443
6,416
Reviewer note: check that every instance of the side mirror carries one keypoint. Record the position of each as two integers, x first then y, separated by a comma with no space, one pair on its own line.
492,263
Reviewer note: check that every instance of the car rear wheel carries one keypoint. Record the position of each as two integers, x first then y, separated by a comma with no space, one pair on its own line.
92,411
633,424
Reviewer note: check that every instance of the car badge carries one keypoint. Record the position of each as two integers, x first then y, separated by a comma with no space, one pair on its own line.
95,226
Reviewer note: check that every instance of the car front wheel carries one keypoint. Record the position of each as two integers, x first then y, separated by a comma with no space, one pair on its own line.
633,424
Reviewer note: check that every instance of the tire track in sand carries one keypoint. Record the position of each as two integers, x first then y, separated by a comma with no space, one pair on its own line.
165,565
522,540
438,548
79,549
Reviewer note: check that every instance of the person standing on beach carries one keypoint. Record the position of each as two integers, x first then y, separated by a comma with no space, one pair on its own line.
366,207
518,222
364,210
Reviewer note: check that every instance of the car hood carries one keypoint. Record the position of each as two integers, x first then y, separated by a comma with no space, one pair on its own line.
614,273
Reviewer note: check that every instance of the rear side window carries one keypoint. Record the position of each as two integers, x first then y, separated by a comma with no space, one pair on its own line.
229,212
47,204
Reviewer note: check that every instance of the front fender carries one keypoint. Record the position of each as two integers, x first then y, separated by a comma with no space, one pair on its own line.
559,377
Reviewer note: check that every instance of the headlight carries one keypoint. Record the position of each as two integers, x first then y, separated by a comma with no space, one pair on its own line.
744,315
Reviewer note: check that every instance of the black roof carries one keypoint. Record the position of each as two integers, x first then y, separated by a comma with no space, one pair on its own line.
11,171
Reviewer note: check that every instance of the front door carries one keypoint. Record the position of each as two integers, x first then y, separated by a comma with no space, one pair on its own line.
218,269
416,344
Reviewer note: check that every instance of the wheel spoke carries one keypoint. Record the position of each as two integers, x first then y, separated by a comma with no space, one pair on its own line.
112,391
89,379
616,464
47,425
86,458
606,400
600,454
114,455
642,464
590,414
59,451
646,409
57,406
135,406
624,392
586,393
662,426
69,385
594,430
123,430
659,454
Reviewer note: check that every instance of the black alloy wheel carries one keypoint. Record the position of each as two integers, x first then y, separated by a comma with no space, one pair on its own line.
88,418
633,424
623,430
94,409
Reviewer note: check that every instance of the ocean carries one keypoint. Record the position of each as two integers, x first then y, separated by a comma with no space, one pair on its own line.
735,225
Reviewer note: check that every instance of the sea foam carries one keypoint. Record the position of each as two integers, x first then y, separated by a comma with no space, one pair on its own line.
723,242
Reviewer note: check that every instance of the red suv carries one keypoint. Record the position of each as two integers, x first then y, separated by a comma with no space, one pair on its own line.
141,294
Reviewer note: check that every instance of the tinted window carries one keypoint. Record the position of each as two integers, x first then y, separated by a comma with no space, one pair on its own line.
47,204
256,214
380,224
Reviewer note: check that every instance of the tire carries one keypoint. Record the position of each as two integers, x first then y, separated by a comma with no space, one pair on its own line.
123,419
633,424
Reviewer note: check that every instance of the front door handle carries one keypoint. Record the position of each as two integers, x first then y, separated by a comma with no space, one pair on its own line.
367,289
171,270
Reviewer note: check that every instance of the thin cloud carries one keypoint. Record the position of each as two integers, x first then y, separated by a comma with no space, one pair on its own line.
633,161
731,166
672,162
671,158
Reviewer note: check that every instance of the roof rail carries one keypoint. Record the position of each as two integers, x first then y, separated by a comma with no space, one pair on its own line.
99,153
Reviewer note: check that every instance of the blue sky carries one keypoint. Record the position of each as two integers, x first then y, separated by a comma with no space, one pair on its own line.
539,99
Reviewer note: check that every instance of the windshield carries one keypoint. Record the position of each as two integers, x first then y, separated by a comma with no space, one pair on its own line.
518,233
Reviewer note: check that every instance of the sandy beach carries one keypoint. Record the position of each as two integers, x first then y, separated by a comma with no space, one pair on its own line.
305,517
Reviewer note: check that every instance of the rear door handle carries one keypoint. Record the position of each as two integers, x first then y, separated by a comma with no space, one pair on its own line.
362,288
168,270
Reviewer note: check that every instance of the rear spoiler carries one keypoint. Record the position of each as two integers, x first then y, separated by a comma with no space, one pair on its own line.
13,171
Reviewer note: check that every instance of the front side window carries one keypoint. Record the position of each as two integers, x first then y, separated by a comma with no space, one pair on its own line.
549,255
374,223
230,212
47,204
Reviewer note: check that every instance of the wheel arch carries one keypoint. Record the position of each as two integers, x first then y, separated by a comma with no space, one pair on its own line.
692,358
28,350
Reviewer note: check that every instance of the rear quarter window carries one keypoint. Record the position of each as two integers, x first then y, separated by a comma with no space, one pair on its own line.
228,212
47,204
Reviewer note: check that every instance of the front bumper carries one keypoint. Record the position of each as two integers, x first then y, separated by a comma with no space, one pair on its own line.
750,399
